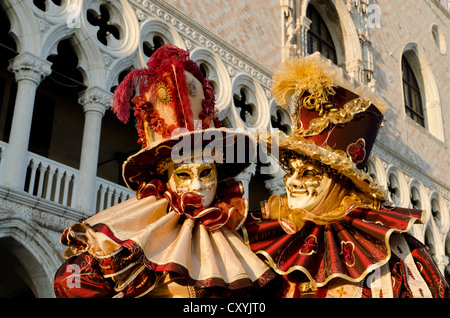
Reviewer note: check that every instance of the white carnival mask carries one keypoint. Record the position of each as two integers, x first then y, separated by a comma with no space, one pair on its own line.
200,178
306,184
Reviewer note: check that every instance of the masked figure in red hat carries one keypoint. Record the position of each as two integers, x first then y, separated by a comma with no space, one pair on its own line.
333,234
178,237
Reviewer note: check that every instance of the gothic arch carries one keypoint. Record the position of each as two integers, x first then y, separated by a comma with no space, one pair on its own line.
255,96
416,58
343,31
148,30
156,27
34,255
24,26
352,43
396,180
440,212
218,76
52,39
418,199
56,26
120,65
418,193
281,117
89,59
376,169
101,63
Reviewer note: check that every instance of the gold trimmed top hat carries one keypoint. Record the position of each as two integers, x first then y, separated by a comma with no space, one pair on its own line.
334,123
174,106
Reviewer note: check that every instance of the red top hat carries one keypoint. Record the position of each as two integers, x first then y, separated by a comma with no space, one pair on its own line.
330,124
333,123
174,104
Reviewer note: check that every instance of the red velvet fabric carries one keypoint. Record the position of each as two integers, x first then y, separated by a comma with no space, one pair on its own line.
81,277
345,249
230,210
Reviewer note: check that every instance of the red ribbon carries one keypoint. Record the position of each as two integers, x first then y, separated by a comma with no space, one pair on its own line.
227,212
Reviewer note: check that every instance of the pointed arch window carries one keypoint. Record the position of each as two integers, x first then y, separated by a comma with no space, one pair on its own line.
412,94
319,38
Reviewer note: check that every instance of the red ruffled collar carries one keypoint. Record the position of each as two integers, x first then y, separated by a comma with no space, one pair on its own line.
349,249
230,211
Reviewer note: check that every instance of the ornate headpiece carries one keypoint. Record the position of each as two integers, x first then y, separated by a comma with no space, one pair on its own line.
333,122
162,102
172,101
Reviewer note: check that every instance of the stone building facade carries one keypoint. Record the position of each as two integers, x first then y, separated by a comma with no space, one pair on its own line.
61,149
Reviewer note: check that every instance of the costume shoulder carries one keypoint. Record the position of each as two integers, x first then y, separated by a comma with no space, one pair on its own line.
428,267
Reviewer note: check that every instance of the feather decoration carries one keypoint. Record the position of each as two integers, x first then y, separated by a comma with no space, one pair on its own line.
299,74
124,93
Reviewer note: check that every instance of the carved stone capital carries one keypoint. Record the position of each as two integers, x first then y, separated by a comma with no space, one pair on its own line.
27,66
95,99
247,174
306,23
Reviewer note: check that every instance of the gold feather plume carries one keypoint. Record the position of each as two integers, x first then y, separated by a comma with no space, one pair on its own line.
312,73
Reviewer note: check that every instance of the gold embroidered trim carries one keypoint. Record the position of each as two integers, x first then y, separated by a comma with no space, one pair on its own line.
318,77
334,116
358,279
335,159
191,291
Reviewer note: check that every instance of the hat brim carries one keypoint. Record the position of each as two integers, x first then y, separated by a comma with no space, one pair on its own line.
335,159
232,151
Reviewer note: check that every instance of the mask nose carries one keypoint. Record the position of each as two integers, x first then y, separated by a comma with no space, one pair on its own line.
196,185
294,182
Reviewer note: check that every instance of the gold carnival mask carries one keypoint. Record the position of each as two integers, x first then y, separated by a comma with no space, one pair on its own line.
306,184
200,178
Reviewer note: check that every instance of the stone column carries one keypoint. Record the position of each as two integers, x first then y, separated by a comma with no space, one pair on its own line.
303,35
245,177
288,29
356,69
95,102
276,184
29,71
442,263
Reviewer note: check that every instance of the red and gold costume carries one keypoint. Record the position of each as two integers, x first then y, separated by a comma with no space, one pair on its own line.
351,243
148,247
165,243
368,254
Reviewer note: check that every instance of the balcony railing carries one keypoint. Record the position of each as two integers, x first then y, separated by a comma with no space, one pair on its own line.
58,183
51,180
109,194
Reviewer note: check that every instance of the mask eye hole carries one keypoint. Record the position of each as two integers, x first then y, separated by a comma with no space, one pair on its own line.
183,175
205,173
309,174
